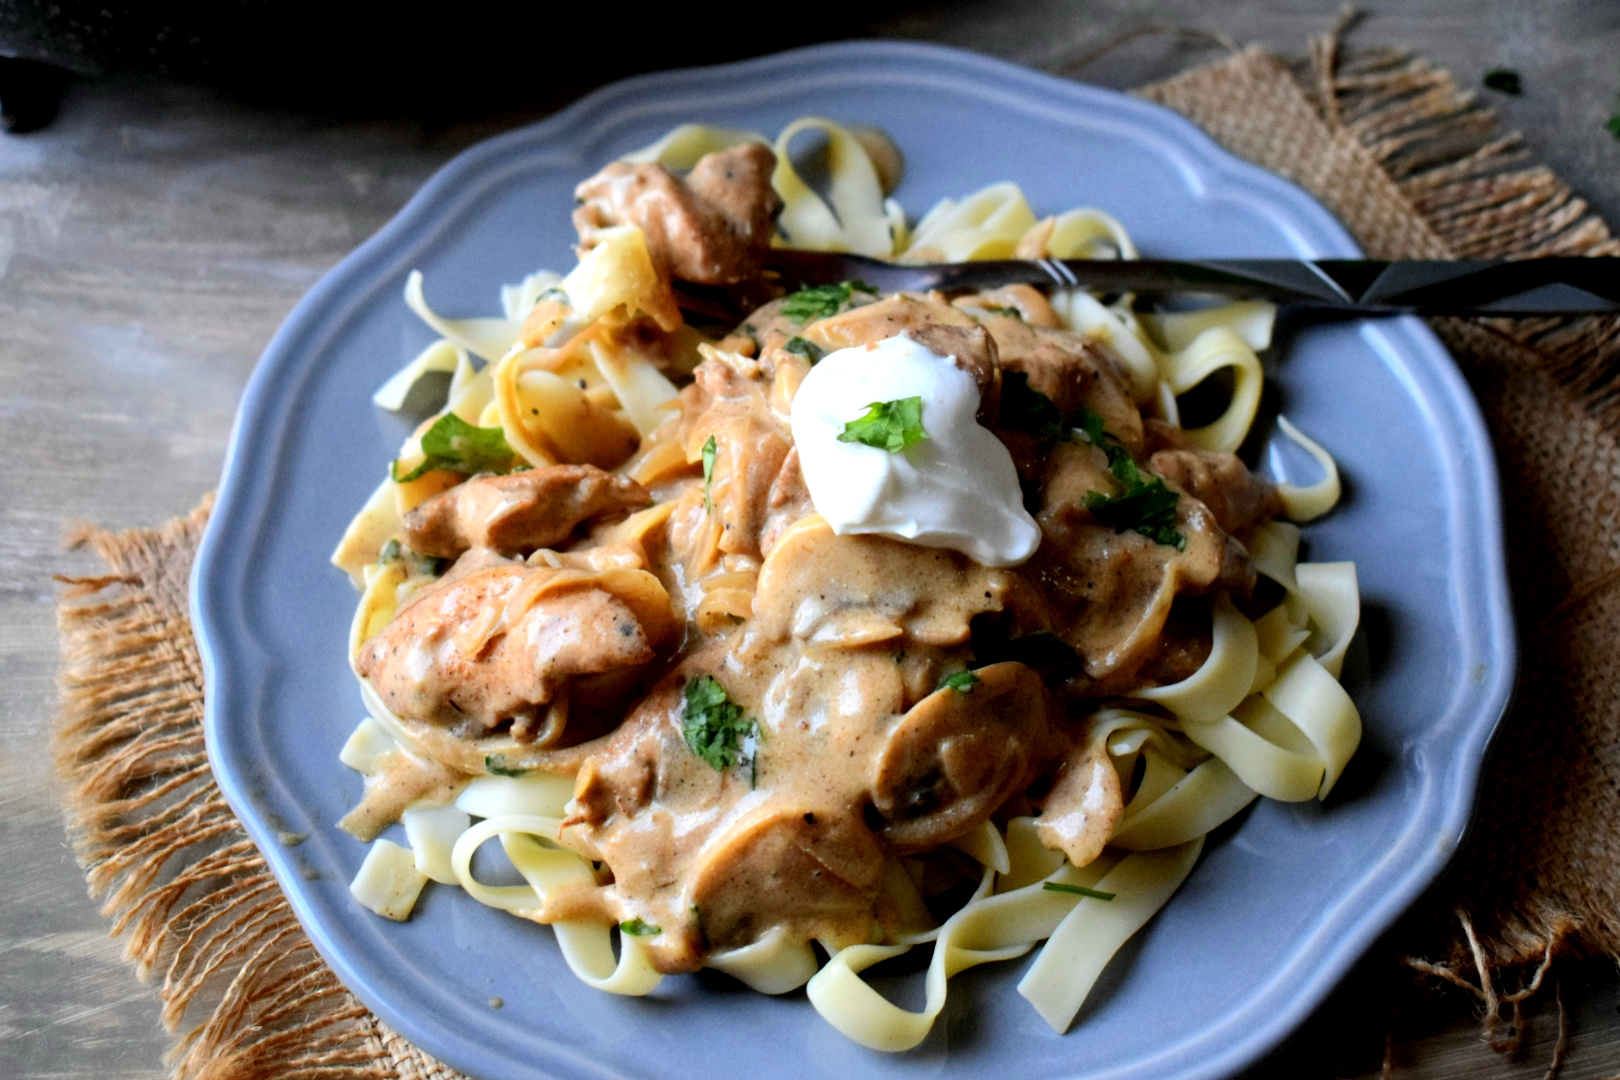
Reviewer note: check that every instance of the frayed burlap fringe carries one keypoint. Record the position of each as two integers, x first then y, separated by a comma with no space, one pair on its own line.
237,975
1415,167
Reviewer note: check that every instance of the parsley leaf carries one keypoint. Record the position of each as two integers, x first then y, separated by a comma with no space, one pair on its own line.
799,346
495,765
710,450
1024,408
820,301
962,682
712,724
639,928
1077,890
1504,81
888,425
389,552
1149,509
453,444
1146,507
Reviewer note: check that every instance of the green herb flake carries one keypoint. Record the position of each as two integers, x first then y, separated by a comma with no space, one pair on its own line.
389,552
1078,890
495,765
713,724
453,444
639,928
1145,506
799,346
962,682
888,425
1504,81
711,449
1024,408
1614,125
820,301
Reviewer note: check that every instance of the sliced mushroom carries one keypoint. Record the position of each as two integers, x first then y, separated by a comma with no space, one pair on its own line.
854,591
957,755
815,872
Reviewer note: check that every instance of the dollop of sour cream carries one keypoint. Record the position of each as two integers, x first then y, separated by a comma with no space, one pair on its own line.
956,489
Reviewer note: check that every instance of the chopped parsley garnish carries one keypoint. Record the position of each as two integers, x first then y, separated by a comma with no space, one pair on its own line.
1149,509
962,682
713,724
710,450
453,444
888,425
1024,408
820,301
1078,890
495,765
639,928
1504,81
1010,312
1145,506
389,552
799,346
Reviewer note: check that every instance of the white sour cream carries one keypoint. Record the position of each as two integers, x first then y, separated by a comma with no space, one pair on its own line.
955,489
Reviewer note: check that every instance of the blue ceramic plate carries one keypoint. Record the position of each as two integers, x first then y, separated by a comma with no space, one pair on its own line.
1282,903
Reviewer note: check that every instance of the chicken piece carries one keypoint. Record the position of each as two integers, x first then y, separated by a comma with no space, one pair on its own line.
789,500
711,228
498,644
520,512
930,322
1084,806
1237,497
1070,371
1111,591
730,403
749,455
957,755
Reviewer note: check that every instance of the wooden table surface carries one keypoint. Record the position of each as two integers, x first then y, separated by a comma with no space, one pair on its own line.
153,238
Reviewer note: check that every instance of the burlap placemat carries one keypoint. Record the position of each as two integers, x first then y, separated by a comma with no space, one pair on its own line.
1414,168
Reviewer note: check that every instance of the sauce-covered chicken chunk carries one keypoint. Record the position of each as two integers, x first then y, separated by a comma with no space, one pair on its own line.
517,513
712,227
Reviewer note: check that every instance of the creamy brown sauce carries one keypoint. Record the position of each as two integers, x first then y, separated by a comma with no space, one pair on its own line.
564,619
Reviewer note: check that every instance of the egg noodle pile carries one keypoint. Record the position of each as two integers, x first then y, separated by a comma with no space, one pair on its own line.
1264,715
